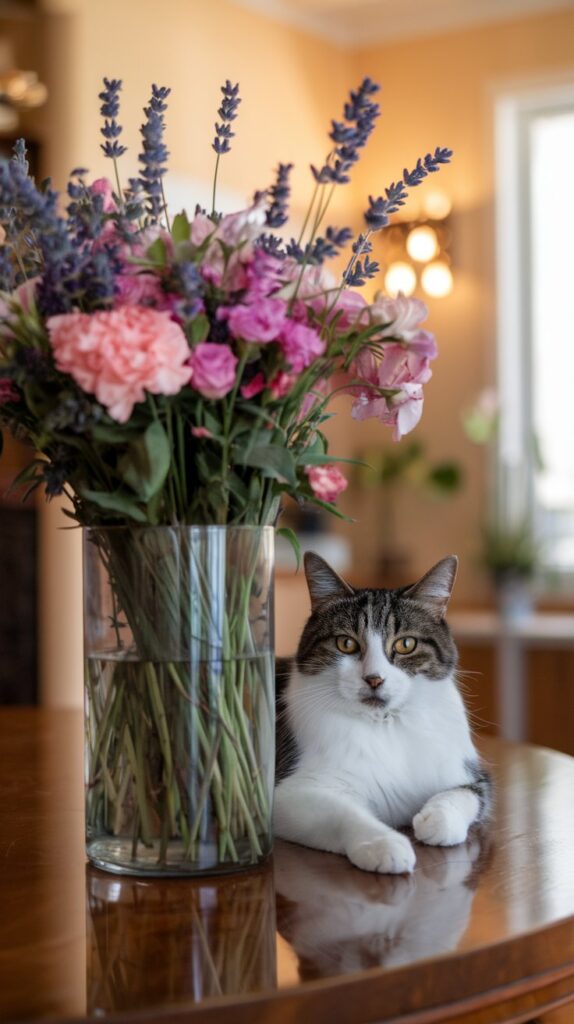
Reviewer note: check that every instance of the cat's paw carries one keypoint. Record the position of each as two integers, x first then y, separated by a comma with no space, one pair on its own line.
440,824
390,854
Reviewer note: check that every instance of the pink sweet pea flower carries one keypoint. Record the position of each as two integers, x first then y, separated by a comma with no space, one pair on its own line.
120,354
212,369
261,322
402,370
301,345
24,295
400,316
133,289
327,482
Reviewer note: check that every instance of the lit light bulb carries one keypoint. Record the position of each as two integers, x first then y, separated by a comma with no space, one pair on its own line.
422,244
436,279
437,205
400,277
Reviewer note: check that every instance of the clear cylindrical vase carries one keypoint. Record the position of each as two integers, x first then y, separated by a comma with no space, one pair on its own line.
179,698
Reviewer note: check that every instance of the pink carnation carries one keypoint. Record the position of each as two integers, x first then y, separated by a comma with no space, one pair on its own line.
327,482
213,369
301,345
118,355
260,322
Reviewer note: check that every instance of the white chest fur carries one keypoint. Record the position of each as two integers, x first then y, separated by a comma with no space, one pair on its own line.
392,765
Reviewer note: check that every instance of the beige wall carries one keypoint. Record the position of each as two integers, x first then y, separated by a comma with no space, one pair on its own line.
436,90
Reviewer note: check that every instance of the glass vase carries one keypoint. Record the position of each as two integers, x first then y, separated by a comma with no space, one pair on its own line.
179,698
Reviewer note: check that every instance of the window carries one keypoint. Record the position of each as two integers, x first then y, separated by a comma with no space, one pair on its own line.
535,284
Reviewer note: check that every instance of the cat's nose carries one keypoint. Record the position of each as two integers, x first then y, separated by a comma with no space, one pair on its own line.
374,681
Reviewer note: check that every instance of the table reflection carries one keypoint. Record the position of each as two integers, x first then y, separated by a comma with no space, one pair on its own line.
152,942
338,919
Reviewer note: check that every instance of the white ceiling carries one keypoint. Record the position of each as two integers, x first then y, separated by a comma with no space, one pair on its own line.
353,23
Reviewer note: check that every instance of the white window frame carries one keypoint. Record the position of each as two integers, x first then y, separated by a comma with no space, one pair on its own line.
514,109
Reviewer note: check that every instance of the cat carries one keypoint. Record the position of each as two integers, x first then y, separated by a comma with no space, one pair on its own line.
372,731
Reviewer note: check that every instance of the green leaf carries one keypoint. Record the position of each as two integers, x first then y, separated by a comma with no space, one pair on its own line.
157,253
293,539
123,504
180,228
273,459
146,463
111,434
329,508
199,329
309,459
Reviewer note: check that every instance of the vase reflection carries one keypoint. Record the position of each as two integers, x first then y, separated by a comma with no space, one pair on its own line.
338,919
155,942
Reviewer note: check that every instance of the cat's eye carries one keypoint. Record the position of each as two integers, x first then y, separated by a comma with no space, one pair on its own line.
347,645
405,645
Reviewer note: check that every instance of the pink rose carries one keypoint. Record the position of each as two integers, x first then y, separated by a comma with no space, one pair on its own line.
301,345
120,354
254,386
327,482
212,369
8,392
260,322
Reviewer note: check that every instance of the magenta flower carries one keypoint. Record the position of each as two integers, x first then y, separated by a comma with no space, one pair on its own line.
212,369
327,482
254,386
103,187
140,290
261,322
281,384
301,345
121,354
8,392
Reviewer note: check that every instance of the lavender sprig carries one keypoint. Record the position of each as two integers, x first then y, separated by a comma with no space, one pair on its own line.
110,108
223,133
279,193
350,135
154,155
381,207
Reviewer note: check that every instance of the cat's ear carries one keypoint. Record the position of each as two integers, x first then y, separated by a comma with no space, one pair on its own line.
435,587
323,582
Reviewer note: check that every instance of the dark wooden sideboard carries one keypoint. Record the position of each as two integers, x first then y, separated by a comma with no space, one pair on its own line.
480,933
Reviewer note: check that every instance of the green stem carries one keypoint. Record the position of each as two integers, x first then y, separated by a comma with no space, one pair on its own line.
215,183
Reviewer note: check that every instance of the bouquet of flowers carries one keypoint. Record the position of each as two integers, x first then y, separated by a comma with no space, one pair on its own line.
175,372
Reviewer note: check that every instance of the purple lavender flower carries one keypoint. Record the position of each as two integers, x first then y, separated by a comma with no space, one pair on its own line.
359,272
110,97
279,194
360,114
227,112
154,155
380,209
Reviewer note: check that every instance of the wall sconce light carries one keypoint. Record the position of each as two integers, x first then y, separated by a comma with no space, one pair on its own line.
22,89
426,244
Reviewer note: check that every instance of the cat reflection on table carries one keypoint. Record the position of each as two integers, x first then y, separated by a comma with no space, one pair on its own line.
372,732
338,920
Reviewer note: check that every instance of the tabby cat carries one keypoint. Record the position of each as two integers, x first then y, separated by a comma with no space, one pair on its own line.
372,731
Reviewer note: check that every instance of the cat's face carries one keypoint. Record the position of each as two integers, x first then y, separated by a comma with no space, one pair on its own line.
374,651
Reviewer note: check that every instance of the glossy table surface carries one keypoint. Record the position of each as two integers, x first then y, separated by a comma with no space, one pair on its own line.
482,932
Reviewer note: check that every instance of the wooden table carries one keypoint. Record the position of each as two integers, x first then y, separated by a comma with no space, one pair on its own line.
480,933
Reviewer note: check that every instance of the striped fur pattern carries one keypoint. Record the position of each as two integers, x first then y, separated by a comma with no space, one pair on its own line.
372,732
